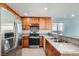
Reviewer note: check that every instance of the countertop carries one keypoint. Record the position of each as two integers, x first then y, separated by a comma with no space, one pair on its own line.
62,47
73,37
27,34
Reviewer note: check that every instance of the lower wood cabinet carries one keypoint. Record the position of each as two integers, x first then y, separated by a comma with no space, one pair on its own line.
25,41
41,41
50,50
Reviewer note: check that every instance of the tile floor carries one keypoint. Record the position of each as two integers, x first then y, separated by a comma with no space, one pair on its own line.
33,52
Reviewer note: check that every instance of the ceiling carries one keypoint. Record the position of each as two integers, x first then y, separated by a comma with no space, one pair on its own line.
58,10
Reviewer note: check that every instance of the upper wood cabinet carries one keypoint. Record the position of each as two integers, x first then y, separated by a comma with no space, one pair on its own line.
26,23
34,20
48,23
42,23
45,23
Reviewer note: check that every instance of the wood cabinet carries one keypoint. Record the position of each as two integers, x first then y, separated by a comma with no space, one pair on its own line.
50,50
41,41
25,41
26,23
45,23
47,49
48,23
42,23
34,20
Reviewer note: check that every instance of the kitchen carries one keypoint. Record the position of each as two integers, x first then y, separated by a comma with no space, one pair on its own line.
39,29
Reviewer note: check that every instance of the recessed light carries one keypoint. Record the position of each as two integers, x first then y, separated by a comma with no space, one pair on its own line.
45,8
73,15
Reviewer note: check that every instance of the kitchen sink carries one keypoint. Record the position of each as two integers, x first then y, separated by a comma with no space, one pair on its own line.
52,38
56,40
59,41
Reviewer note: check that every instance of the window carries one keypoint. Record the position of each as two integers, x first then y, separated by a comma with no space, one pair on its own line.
57,27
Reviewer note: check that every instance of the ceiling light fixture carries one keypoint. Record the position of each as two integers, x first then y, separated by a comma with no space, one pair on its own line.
73,15
45,8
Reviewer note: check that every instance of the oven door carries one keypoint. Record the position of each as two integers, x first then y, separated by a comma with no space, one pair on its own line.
34,41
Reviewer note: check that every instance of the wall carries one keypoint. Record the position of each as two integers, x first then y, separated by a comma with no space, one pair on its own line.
71,28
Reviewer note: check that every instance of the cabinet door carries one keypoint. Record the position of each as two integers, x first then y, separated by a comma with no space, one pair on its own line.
50,50
41,41
25,41
34,20
42,23
26,23
48,23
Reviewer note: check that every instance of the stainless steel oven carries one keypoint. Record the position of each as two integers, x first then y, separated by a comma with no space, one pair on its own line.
34,36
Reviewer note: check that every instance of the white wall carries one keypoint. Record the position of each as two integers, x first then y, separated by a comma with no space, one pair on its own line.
71,28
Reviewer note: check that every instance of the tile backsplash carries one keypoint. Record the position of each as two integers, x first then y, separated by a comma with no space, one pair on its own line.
40,31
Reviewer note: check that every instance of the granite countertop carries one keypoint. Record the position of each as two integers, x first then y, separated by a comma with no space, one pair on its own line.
25,35
62,47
